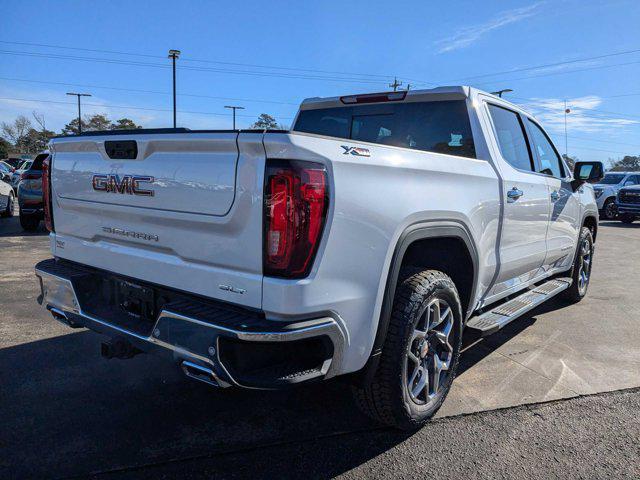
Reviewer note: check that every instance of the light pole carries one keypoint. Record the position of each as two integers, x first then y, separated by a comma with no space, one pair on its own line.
234,108
566,111
79,112
173,55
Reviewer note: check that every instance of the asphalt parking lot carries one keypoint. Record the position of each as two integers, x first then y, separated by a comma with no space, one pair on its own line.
66,412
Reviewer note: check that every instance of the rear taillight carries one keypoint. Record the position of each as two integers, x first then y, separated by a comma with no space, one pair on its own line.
295,207
46,193
29,176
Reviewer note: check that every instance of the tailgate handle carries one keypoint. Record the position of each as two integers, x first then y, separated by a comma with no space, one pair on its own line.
121,149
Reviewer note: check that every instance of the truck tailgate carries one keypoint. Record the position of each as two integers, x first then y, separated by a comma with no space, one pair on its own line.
190,175
182,210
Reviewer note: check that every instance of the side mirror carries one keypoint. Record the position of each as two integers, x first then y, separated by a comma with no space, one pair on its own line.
587,172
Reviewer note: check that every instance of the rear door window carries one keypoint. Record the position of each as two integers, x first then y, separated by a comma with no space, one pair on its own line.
439,126
511,138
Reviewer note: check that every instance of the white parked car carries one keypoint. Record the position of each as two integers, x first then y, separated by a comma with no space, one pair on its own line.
7,195
15,176
363,241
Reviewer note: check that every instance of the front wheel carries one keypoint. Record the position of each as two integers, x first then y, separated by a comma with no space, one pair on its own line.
420,354
581,271
610,209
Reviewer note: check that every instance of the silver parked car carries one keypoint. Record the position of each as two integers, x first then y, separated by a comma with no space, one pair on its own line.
608,188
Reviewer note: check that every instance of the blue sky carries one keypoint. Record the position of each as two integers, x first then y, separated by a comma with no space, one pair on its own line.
268,56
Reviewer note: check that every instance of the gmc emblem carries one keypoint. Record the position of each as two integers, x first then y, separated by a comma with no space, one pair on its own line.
129,184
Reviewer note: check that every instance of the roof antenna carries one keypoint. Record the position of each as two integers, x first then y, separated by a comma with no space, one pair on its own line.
500,92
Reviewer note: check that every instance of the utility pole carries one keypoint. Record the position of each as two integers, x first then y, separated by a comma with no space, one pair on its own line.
173,55
395,84
234,108
79,112
566,111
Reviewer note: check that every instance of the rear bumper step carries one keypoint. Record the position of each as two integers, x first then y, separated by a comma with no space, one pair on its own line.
503,314
221,348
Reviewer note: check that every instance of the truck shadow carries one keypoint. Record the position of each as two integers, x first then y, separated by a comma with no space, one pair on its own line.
89,414
10,227
474,348
93,415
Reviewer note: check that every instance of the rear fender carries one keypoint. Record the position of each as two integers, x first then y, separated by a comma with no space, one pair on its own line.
413,233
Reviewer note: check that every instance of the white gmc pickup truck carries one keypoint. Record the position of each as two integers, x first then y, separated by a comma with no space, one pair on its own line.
364,241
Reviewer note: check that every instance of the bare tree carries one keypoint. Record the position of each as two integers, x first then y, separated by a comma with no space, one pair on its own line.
17,130
39,118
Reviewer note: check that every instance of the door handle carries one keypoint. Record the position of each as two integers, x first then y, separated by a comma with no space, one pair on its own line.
555,196
514,194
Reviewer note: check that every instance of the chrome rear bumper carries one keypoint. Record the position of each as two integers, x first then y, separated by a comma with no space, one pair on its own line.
192,340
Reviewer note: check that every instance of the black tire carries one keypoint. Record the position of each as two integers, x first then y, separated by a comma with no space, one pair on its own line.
8,211
29,223
387,398
610,210
626,218
581,265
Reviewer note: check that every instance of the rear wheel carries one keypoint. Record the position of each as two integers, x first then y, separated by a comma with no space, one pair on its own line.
610,209
581,271
626,218
29,222
420,354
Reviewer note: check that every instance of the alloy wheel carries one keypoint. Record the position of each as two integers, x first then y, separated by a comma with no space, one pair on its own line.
610,210
429,352
584,265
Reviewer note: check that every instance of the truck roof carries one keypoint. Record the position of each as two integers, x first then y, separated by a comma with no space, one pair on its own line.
453,92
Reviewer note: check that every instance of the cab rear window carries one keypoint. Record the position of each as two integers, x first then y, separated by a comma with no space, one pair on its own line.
439,126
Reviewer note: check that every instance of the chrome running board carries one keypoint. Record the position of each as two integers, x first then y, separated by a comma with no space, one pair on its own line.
503,314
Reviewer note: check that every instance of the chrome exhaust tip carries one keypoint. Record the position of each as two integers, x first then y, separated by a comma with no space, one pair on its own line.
61,316
198,372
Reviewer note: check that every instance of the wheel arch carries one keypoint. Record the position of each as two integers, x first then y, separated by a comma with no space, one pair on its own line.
460,244
590,221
